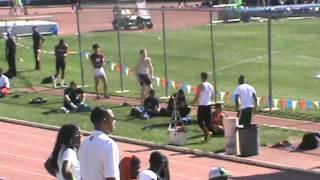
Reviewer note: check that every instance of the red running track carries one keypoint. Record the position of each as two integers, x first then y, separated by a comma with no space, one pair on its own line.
23,150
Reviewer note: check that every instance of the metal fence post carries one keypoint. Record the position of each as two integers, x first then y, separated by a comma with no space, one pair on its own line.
269,61
119,48
80,46
164,49
213,57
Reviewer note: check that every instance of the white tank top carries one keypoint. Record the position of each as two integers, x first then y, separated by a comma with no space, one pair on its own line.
206,94
143,67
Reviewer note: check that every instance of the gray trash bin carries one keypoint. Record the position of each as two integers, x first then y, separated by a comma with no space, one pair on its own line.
248,140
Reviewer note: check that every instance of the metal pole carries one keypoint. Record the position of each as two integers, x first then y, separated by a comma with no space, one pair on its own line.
80,46
119,48
213,58
269,62
164,49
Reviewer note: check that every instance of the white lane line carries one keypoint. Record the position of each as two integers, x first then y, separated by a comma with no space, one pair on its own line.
22,157
26,134
24,171
25,145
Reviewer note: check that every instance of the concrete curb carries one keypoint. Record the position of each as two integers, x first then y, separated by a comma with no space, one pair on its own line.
174,148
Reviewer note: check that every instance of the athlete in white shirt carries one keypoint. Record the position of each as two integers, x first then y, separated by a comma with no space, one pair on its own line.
204,96
248,101
99,154
144,73
64,163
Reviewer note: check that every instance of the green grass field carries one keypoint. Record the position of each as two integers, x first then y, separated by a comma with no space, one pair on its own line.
239,49
154,130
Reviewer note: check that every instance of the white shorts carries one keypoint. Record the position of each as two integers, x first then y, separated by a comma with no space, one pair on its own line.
99,72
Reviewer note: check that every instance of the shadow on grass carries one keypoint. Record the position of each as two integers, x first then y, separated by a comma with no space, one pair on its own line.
162,125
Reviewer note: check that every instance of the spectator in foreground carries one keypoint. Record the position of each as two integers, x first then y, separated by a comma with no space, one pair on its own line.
74,99
129,167
63,162
217,173
99,154
156,166
4,84
247,95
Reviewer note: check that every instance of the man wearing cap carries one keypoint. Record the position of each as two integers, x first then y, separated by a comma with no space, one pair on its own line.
10,52
38,40
246,94
99,154
98,61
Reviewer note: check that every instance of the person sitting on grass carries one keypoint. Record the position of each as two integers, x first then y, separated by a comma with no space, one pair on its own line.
129,167
180,102
4,84
151,105
150,108
74,99
217,119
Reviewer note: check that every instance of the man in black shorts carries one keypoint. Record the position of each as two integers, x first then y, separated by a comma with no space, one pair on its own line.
204,95
37,43
60,51
144,72
10,52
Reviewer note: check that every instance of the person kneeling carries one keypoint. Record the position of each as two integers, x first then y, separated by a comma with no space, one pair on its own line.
74,99
4,84
217,119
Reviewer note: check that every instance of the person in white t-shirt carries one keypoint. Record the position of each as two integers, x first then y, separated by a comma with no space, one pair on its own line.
99,154
4,84
204,96
246,94
64,161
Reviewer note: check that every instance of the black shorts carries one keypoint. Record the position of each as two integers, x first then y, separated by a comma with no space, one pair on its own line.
60,63
144,79
204,116
245,116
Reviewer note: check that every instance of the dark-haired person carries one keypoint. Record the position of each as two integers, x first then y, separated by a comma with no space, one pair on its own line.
144,74
248,101
165,172
204,97
98,61
99,154
61,52
10,52
178,101
129,167
4,84
64,159
74,99
156,162
38,40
